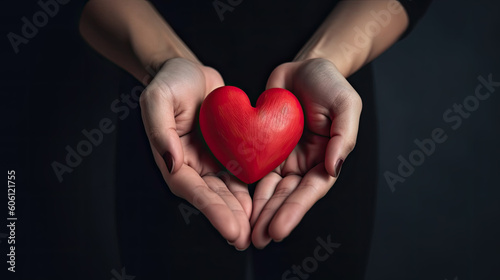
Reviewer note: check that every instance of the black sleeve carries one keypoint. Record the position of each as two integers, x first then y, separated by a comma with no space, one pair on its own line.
415,9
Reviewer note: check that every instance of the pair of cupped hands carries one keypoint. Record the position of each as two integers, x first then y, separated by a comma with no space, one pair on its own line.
332,108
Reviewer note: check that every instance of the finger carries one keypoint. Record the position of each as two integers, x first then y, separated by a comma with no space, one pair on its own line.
313,187
282,76
187,183
159,122
342,105
263,192
212,78
260,234
343,131
218,186
240,191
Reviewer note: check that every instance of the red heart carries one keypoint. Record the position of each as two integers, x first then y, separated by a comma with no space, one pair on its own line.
251,142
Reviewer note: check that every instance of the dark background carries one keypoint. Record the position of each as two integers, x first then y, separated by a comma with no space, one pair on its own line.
441,223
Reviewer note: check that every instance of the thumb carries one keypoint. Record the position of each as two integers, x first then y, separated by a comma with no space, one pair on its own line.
159,122
343,132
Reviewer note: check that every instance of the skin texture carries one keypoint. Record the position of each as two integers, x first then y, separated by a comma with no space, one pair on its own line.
133,35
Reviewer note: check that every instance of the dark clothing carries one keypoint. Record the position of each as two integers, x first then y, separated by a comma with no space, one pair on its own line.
251,40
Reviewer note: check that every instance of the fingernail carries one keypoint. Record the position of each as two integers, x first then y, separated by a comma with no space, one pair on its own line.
229,243
239,250
169,161
338,167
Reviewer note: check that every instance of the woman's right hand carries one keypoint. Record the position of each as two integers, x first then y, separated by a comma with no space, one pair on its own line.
169,106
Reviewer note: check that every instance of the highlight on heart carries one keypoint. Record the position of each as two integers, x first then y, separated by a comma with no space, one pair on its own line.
251,141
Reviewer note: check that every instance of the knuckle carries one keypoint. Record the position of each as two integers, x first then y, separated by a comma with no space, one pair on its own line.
356,100
222,192
152,95
319,62
346,97
155,136
319,66
279,72
318,191
350,145
224,176
210,72
201,197
145,96
175,191
159,137
282,192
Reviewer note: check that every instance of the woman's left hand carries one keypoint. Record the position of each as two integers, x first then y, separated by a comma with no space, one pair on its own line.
332,110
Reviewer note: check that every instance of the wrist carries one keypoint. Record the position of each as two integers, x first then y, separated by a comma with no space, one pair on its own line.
346,60
340,63
154,62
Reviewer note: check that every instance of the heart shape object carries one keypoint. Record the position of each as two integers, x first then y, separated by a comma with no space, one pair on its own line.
251,142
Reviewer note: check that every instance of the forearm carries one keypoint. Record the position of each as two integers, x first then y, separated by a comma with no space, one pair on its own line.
132,34
356,32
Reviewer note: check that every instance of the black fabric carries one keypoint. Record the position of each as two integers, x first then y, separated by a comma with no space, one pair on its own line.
415,9
155,241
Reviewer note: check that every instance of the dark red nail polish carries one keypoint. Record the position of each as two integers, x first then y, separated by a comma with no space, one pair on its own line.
169,161
338,167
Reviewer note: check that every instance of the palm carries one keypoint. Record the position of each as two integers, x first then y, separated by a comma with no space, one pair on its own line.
310,152
330,105
311,149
